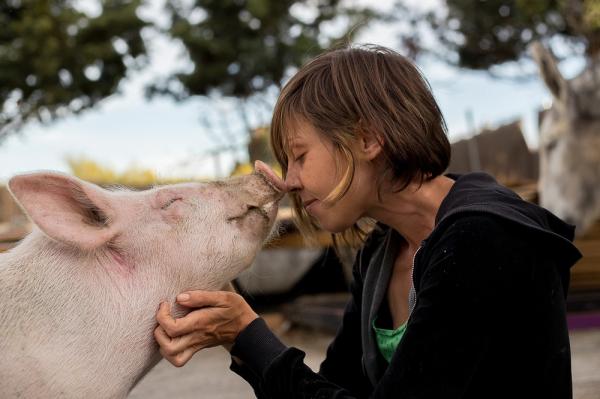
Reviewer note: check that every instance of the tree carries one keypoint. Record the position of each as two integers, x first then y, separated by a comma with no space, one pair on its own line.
242,50
242,47
484,33
56,60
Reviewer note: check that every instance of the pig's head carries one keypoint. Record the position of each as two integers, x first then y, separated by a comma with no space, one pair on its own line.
175,237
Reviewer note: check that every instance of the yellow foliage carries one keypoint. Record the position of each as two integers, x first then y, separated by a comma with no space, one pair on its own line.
89,170
592,13
246,168
242,169
94,172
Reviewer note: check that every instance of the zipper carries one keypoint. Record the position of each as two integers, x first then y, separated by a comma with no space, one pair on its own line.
412,272
412,296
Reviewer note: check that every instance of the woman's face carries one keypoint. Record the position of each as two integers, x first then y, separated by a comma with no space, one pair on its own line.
313,174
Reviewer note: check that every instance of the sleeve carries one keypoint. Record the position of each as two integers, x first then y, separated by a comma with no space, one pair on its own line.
342,366
446,338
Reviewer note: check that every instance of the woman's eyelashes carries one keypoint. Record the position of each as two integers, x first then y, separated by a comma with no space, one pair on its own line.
300,157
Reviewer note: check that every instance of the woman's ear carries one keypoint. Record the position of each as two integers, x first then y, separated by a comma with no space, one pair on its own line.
370,145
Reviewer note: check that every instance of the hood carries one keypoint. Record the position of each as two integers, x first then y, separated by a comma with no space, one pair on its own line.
480,192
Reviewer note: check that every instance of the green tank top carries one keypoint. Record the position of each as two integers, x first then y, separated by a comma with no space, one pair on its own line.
388,340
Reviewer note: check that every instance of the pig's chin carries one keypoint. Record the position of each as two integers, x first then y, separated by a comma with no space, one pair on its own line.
271,211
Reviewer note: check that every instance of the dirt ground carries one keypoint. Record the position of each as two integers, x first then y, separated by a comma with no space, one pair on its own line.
207,375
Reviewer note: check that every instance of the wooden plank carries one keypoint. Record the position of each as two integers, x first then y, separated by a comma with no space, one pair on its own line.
585,275
587,265
589,249
593,232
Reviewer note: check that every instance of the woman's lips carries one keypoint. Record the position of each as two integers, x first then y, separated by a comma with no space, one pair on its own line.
308,204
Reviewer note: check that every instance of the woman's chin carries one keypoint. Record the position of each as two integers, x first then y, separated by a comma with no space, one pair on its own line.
333,227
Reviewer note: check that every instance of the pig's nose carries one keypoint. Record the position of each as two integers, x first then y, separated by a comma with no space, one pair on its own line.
270,176
262,190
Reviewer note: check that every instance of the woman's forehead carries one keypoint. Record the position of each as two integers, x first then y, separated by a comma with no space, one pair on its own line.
293,136
300,132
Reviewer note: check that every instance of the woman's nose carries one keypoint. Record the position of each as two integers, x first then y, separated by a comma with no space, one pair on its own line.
291,180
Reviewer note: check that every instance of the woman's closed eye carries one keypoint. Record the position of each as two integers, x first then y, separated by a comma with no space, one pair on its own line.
300,157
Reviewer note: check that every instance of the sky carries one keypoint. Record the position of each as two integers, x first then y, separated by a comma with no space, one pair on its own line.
126,130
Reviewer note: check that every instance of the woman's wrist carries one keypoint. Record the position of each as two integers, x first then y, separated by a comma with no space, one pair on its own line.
257,346
246,319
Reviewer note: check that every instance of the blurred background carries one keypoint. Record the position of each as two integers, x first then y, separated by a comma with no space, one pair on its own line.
138,93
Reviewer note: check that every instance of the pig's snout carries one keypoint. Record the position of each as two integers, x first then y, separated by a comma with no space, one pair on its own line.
274,193
254,192
275,181
263,190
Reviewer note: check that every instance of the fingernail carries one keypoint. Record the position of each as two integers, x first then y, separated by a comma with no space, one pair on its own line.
183,297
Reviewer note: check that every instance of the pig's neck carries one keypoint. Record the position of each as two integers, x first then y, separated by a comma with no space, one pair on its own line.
72,304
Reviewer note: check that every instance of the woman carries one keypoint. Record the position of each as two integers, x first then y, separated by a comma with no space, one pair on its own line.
459,290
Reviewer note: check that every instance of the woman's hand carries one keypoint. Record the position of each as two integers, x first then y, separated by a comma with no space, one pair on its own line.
221,316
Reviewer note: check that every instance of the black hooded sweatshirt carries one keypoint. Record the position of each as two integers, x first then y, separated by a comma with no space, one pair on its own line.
487,318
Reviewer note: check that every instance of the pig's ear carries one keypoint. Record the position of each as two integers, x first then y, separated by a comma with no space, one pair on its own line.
65,208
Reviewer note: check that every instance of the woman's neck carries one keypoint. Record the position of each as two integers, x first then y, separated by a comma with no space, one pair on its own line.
412,211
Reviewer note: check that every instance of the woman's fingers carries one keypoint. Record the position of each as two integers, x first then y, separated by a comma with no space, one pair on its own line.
183,357
201,299
167,344
180,359
177,327
174,346
166,321
178,351
218,319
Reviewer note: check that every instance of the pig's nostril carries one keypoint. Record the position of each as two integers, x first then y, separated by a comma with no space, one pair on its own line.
251,207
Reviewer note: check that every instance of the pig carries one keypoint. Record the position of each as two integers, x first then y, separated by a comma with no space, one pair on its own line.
79,294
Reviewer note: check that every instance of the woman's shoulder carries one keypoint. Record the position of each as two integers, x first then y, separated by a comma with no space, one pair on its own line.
469,222
476,248
474,231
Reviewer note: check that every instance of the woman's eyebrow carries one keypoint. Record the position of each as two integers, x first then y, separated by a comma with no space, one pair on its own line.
297,144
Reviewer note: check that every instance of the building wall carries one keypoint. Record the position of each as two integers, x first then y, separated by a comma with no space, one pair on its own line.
501,152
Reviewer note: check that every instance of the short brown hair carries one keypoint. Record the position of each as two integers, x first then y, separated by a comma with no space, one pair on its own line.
368,89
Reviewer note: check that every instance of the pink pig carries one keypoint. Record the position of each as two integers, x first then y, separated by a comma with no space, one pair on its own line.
78,295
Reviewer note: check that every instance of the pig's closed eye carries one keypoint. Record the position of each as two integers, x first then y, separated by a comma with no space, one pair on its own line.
170,202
